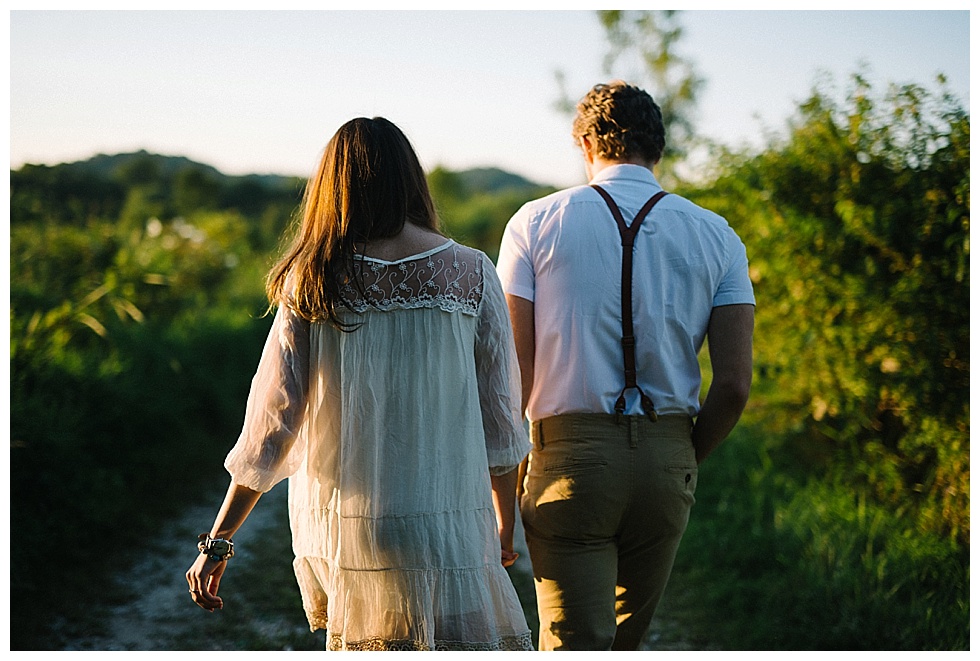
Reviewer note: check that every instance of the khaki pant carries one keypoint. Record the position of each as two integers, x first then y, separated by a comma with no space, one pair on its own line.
604,507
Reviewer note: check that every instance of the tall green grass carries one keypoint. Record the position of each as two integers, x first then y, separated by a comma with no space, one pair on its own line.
106,444
777,558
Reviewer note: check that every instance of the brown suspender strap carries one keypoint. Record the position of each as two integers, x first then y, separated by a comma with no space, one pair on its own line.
627,234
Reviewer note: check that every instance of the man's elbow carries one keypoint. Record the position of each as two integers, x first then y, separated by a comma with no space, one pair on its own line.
733,391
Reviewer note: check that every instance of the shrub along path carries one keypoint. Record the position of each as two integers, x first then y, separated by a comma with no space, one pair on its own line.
147,606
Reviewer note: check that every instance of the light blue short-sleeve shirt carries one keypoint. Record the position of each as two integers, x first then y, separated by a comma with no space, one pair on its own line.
563,252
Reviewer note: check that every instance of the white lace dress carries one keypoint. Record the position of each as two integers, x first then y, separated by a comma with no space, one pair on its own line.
389,435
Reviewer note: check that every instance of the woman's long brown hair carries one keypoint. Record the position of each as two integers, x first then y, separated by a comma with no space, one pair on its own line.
368,184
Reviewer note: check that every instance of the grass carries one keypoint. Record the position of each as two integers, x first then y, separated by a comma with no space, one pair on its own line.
779,561
772,560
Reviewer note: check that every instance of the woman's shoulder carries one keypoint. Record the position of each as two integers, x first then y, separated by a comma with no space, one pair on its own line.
465,250
479,260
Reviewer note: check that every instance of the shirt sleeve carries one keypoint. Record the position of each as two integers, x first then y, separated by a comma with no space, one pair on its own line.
499,379
514,264
736,286
267,449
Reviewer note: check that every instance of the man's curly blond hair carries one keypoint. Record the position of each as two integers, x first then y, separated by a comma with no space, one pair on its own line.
622,121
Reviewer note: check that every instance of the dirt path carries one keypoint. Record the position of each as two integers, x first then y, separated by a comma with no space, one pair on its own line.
152,610
158,611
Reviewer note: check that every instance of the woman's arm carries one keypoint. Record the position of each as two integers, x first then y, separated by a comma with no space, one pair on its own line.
205,574
504,489
499,385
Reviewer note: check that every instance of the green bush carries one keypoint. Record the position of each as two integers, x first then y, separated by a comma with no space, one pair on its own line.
857,228
838,516
131,355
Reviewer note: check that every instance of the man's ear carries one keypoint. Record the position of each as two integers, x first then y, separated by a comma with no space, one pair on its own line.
588,151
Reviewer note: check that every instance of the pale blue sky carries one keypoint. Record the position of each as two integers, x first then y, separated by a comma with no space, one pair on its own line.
261,92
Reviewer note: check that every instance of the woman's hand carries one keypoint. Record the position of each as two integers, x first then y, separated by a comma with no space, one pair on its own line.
504,488
507,555
202,582
204,575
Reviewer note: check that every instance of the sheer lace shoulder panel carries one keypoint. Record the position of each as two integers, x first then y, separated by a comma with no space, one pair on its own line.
450,278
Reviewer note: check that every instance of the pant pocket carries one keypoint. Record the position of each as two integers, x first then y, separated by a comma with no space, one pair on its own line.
567,458
681,468
569,497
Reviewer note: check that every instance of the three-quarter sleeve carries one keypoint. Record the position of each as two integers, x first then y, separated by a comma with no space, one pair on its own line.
268,448
499,378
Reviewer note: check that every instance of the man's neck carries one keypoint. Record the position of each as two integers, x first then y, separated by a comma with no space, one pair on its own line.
599,164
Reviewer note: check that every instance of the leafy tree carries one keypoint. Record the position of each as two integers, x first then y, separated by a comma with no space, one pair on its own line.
40,193
143,170
195,189
649,39
643,51
446,186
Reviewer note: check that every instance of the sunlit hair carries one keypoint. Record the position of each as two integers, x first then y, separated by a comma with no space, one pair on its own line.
622,121
368,184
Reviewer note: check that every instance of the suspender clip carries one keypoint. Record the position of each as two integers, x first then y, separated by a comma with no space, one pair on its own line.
648,407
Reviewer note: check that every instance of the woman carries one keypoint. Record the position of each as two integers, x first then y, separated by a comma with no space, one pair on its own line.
388,392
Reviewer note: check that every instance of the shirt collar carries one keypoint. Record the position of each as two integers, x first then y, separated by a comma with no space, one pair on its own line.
625,171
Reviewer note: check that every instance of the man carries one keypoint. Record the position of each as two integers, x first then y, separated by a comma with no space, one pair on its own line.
609,316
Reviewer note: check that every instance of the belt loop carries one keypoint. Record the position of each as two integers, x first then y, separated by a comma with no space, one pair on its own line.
634,430
538,434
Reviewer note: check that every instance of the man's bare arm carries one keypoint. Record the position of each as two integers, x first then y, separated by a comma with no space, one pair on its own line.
730,351
522,320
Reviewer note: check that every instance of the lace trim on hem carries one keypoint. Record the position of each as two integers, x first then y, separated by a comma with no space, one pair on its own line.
518,643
